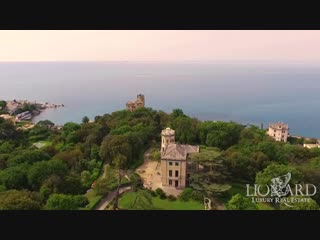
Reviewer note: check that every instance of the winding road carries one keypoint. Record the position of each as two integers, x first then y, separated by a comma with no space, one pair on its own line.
105,201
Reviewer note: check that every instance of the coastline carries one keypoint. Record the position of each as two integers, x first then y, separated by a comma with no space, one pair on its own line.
25,110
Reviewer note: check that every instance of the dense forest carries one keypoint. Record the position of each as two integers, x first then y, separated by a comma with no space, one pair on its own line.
51,168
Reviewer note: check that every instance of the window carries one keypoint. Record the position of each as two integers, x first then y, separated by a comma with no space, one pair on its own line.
170,173
170,182
176,163
177,173
170,163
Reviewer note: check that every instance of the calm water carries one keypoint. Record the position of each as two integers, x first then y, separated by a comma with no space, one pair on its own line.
246,93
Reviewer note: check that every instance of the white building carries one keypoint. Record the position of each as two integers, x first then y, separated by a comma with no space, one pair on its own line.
278,131
310,146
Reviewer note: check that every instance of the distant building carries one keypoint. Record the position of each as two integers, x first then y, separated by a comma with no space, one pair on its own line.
311,145
27,115
278,131
138,103
174,160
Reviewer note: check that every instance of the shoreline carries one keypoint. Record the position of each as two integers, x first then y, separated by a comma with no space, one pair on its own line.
13,105
27,110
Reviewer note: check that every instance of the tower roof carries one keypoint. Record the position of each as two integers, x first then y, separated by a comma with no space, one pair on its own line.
178,151
168,132
279,125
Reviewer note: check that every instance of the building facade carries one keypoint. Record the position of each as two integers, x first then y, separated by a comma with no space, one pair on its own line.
174,160
278,131
138,103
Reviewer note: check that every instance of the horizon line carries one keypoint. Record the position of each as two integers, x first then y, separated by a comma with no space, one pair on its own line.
244,61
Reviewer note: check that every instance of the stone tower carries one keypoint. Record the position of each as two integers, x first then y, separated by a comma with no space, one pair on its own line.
167,137
140,100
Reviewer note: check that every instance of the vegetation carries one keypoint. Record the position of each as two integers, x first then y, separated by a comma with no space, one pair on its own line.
93,158
19,200
85,119
239,202
3,105
28,107
66,202
127,199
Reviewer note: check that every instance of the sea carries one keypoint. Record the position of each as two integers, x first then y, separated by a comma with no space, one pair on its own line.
248,93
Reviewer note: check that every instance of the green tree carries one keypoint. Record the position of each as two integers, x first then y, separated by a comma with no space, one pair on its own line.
27,156
113,145
237,163
85,119
177,113
45,124
142,201
8,130
71,157
103,186
239,202
211,180
72,184
19,200
186,194
276,170
15,177
135,180
6,147
66,202
3,104
186,129
219,134
86,178
69,132
120,162
52,184
3,161
40,171
252,135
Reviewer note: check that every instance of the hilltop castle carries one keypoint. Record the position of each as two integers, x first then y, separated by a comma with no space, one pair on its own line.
138,103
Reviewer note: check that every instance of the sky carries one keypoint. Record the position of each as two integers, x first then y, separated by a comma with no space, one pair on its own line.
160,45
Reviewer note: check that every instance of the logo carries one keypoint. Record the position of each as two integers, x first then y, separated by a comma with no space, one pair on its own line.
280,185
280,191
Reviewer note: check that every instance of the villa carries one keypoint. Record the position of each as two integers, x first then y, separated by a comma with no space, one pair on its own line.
278,131
174,169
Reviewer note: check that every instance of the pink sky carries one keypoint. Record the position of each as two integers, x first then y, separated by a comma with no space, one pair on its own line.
107,45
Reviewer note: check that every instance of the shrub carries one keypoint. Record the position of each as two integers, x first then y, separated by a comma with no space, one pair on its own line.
153,193
186,194
159,192
156,155
197,196
163,196
172,198
103,186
